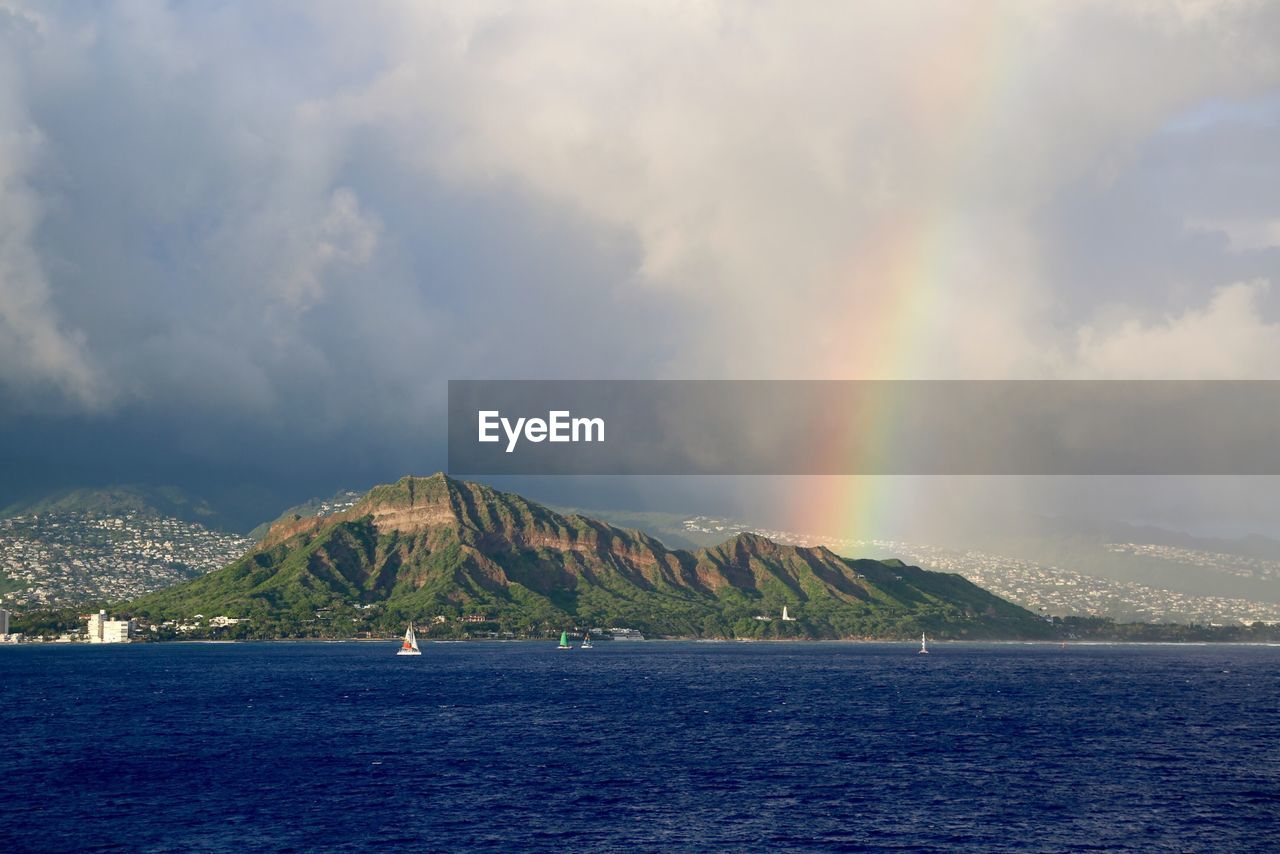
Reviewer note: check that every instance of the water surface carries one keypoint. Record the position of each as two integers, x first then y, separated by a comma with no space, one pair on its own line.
655,746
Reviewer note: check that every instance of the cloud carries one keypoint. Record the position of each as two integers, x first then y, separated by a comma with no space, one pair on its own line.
1226,339
38,352
886,165
1242,234
272,231
830,186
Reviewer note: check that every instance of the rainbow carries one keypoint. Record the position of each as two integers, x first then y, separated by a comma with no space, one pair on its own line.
897,284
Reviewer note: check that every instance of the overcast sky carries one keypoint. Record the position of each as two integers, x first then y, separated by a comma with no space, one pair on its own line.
250,242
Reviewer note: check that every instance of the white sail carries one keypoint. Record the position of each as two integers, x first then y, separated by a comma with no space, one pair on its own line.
410,645
924,648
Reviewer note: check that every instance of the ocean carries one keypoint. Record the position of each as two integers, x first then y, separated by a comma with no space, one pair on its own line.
654,746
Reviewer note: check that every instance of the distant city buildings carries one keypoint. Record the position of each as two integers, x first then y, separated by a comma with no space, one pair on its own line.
340,502
1058,590
102,630
64,558
1241,566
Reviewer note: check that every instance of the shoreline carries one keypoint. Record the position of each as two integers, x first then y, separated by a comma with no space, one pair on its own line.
551,641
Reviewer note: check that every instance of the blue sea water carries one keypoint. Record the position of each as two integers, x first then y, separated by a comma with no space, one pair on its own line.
639,746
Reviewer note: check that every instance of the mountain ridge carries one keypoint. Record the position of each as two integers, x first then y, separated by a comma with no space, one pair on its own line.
426,547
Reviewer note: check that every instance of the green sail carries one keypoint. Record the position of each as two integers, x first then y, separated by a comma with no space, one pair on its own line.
564,638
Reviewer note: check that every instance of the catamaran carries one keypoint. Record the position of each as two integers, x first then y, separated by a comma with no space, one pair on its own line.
564,641
410,645
586,641
924,648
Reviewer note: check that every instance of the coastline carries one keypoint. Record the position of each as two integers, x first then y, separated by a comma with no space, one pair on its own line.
934,643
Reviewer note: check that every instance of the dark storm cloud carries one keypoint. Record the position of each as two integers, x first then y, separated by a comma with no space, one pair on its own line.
230,286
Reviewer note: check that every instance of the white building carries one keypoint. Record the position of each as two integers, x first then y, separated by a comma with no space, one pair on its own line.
102,630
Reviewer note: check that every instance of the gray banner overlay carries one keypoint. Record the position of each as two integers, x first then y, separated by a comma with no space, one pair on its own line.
864,427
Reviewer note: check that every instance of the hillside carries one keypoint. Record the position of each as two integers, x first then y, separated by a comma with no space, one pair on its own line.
62,558
343,500
432,547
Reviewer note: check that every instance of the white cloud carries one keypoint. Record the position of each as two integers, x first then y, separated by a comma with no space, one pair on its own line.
1229,338
792,173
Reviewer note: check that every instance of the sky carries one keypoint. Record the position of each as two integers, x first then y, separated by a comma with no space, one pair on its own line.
247,244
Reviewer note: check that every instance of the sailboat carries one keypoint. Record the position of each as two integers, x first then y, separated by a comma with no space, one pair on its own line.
564,641
924,648
586,641
410,645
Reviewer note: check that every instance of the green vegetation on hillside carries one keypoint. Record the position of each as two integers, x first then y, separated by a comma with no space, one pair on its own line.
9,585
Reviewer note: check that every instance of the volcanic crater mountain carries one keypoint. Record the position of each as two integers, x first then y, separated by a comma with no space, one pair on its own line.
428,547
